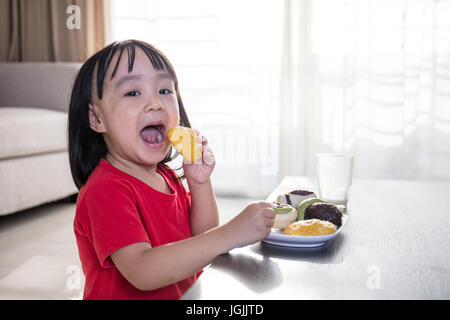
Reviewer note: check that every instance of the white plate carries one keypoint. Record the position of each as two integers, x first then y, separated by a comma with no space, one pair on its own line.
278,238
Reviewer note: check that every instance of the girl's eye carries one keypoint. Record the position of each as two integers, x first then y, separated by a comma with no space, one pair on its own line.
165,91
133,93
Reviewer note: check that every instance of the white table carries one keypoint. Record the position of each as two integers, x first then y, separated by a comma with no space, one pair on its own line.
395,245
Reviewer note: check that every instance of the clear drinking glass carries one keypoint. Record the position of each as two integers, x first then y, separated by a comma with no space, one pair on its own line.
334,177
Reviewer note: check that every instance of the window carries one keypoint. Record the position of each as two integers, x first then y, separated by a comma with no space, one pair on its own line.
227,56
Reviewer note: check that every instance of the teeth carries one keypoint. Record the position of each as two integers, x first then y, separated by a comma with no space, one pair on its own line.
159,138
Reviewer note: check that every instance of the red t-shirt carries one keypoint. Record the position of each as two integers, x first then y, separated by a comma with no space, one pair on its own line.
115,209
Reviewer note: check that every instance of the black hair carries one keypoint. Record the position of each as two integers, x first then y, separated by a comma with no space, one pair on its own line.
87,147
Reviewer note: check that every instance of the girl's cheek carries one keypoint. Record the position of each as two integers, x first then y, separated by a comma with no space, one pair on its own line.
175,116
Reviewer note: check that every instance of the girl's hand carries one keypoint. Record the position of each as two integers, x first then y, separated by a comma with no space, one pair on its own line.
199,173
252,224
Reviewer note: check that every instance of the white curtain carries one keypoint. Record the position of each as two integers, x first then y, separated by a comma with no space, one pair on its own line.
272,83
227,57
370,78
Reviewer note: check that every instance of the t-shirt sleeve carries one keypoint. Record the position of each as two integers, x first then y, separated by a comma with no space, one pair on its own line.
113,218
188,200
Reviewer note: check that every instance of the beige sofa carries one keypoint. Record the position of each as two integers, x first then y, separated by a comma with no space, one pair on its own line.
34,164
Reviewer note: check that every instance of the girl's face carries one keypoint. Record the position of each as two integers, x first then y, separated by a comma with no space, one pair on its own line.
136,110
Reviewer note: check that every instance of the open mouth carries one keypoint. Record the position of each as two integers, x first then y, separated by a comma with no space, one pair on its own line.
153,134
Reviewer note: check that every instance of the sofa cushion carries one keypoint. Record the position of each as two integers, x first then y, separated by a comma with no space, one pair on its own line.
37,84
26,131
30,181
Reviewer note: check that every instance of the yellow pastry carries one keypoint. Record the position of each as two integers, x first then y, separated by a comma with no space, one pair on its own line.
183,139
311,227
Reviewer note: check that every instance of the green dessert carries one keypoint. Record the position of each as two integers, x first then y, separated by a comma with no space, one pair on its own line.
305,204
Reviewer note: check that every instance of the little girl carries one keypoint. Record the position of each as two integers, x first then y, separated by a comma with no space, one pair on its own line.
140,233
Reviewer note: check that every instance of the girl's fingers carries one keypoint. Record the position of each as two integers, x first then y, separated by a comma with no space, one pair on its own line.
204,141
269,223
199,138
269,213
208,156
264,204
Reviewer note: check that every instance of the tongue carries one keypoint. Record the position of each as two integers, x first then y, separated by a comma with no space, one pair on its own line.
151,135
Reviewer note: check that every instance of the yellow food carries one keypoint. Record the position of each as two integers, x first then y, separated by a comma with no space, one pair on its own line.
183,139
311,227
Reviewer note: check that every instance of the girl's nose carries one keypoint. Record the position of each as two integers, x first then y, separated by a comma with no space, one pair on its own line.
153,107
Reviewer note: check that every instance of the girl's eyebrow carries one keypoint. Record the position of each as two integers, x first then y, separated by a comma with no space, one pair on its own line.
128,78
164,75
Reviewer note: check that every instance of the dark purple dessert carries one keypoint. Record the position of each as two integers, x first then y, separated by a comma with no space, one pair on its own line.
301,192
324,211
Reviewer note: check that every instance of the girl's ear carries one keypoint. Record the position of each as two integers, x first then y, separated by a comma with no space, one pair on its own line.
94,121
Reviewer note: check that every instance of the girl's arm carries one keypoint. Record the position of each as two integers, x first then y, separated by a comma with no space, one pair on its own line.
204,214
149,268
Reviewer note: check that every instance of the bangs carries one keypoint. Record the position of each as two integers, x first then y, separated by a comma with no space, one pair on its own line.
156,57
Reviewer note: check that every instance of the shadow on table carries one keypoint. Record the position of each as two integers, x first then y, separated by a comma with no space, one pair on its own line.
256,274
264,274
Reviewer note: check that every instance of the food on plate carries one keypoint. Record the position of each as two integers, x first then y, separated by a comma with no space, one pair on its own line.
183,139
311,217
285,215
311,227
305,204
295,197
325,212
